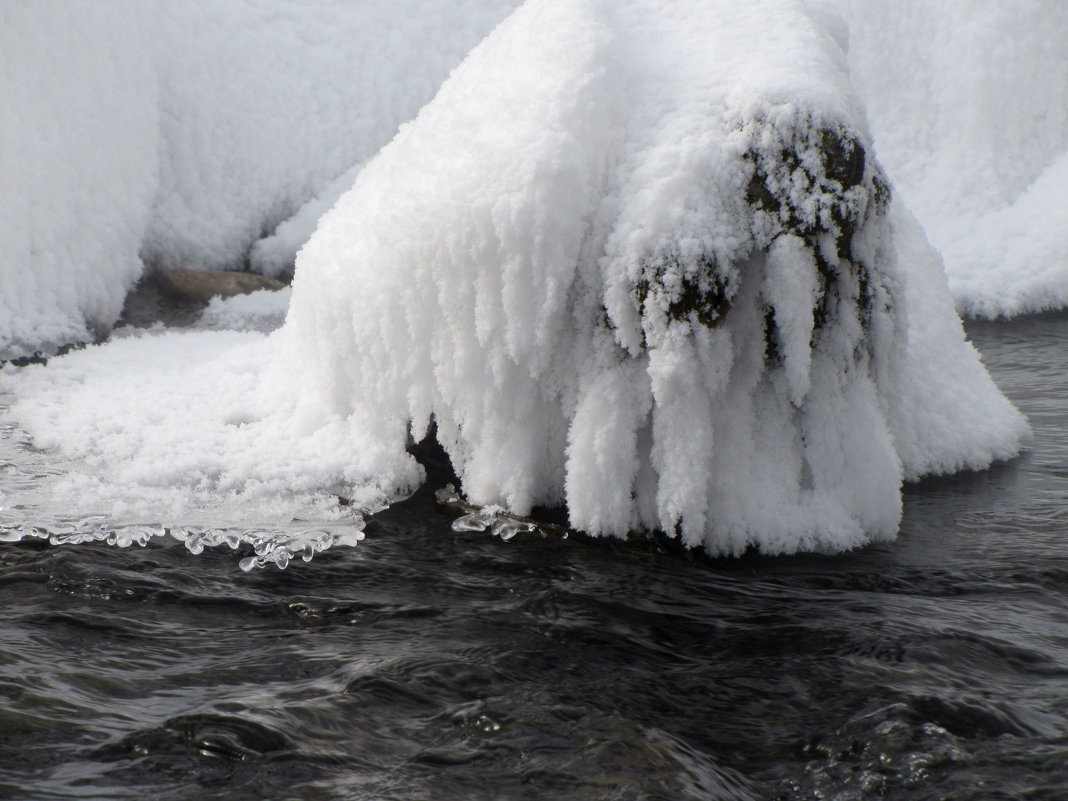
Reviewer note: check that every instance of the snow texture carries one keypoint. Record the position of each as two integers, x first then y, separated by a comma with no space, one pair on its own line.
276,254
265,102
264,311
633,258
78,166
968,103
178,133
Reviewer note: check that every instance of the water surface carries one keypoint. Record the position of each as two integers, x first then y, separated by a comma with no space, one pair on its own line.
431,664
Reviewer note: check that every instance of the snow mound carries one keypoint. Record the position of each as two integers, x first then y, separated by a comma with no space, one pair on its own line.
264,311
968,103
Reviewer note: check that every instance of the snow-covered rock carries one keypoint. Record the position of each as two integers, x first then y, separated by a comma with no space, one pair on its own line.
78,166
200,286
641,261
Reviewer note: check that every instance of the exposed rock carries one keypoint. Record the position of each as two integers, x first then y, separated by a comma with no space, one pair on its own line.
810,181
200,286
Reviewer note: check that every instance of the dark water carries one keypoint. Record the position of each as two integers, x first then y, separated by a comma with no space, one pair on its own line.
428,664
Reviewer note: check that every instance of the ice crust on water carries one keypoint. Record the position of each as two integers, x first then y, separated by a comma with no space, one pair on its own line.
639,260
968,103
39,488
181,132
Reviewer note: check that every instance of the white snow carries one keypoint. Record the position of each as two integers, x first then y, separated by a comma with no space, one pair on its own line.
181,132
586,148
262,311
177,427
77,166
633,258
968,103
275,255
265,102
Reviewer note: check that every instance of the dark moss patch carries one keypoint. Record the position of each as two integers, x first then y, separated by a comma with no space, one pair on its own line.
848,189
880,194
772,348
843,158
700,295
818,184
759,196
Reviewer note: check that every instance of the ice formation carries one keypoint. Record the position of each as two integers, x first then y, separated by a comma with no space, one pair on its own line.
634,258
968,104
180,132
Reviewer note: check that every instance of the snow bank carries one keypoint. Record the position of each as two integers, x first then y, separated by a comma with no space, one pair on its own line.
639,261
968,103
181,132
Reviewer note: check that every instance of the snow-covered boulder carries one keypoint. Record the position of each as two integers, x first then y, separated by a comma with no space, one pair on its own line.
640,261
200,286
78,166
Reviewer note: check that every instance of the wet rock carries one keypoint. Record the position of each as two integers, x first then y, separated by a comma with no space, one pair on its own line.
200,286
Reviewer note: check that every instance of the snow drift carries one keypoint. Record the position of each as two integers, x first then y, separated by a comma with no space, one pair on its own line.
636,260
178,133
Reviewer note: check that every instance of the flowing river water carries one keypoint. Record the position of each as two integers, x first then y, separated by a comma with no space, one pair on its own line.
432,664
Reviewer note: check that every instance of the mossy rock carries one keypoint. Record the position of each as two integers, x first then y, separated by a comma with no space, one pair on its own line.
699,295
812,181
